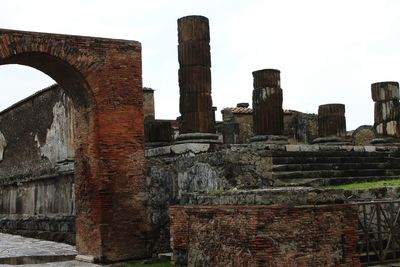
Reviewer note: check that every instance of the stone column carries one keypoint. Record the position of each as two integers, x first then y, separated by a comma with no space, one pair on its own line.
195,75
331,120
148,104
331,125
387,110
267,104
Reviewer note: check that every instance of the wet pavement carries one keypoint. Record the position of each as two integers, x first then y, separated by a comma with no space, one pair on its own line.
21,251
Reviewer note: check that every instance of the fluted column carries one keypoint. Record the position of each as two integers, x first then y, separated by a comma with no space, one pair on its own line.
387,108
195,103
331,120
267,102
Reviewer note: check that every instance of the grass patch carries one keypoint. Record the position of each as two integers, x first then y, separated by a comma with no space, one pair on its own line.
158,264
218,192
366,185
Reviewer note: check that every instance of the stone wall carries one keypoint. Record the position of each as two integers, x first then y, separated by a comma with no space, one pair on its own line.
300,127
148,104
189,169
238,124
37,169
203,168
324,235
43,207
39,135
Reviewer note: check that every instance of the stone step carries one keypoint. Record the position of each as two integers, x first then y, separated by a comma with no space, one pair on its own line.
333,153
335,159
335,166
335,173
332,181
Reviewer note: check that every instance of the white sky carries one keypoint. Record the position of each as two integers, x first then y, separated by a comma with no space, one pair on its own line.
328,51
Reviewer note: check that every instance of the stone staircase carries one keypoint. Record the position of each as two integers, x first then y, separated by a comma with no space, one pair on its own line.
301,168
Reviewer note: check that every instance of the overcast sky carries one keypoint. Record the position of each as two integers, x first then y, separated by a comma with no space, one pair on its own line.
327,51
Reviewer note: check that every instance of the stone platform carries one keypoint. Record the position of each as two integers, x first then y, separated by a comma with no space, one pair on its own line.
22,251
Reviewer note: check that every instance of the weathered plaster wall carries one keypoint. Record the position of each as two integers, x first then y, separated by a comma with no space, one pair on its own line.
41,208
39,134
37,169
324,235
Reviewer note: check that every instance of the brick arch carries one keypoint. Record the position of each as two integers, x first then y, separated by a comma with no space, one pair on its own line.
103,77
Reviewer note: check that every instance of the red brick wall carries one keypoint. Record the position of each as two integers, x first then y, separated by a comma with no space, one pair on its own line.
264,235
104,79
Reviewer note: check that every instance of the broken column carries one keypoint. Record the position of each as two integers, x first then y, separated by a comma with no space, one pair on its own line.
267,106
331,124
331,120
386,111
197,120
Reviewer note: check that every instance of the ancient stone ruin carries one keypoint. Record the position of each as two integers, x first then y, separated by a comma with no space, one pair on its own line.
387,111
195,103
86,161
109,192
267,102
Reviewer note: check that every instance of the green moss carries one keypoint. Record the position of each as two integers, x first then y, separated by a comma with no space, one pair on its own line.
158,264
366,185
216,192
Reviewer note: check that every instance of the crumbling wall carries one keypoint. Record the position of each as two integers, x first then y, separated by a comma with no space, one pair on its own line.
300,127
220,235
238,124
199,168
39,135
37,168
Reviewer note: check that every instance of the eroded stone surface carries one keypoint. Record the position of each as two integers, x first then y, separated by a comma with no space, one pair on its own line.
194,148
331,120
195,102
267,102
14,248
3,144
386,108
264,235
18,246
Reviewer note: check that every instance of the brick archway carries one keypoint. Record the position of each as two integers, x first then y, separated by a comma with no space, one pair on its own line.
103,77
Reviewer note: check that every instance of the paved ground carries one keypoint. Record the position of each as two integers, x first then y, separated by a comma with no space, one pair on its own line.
20,250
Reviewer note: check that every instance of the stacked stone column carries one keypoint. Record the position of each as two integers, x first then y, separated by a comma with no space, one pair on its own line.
331,120
267,105
267,102
195,75
386,110
331,125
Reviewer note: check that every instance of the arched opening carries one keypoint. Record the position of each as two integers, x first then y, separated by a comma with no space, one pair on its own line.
43,134
19,82
37,164
103,79
64,74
